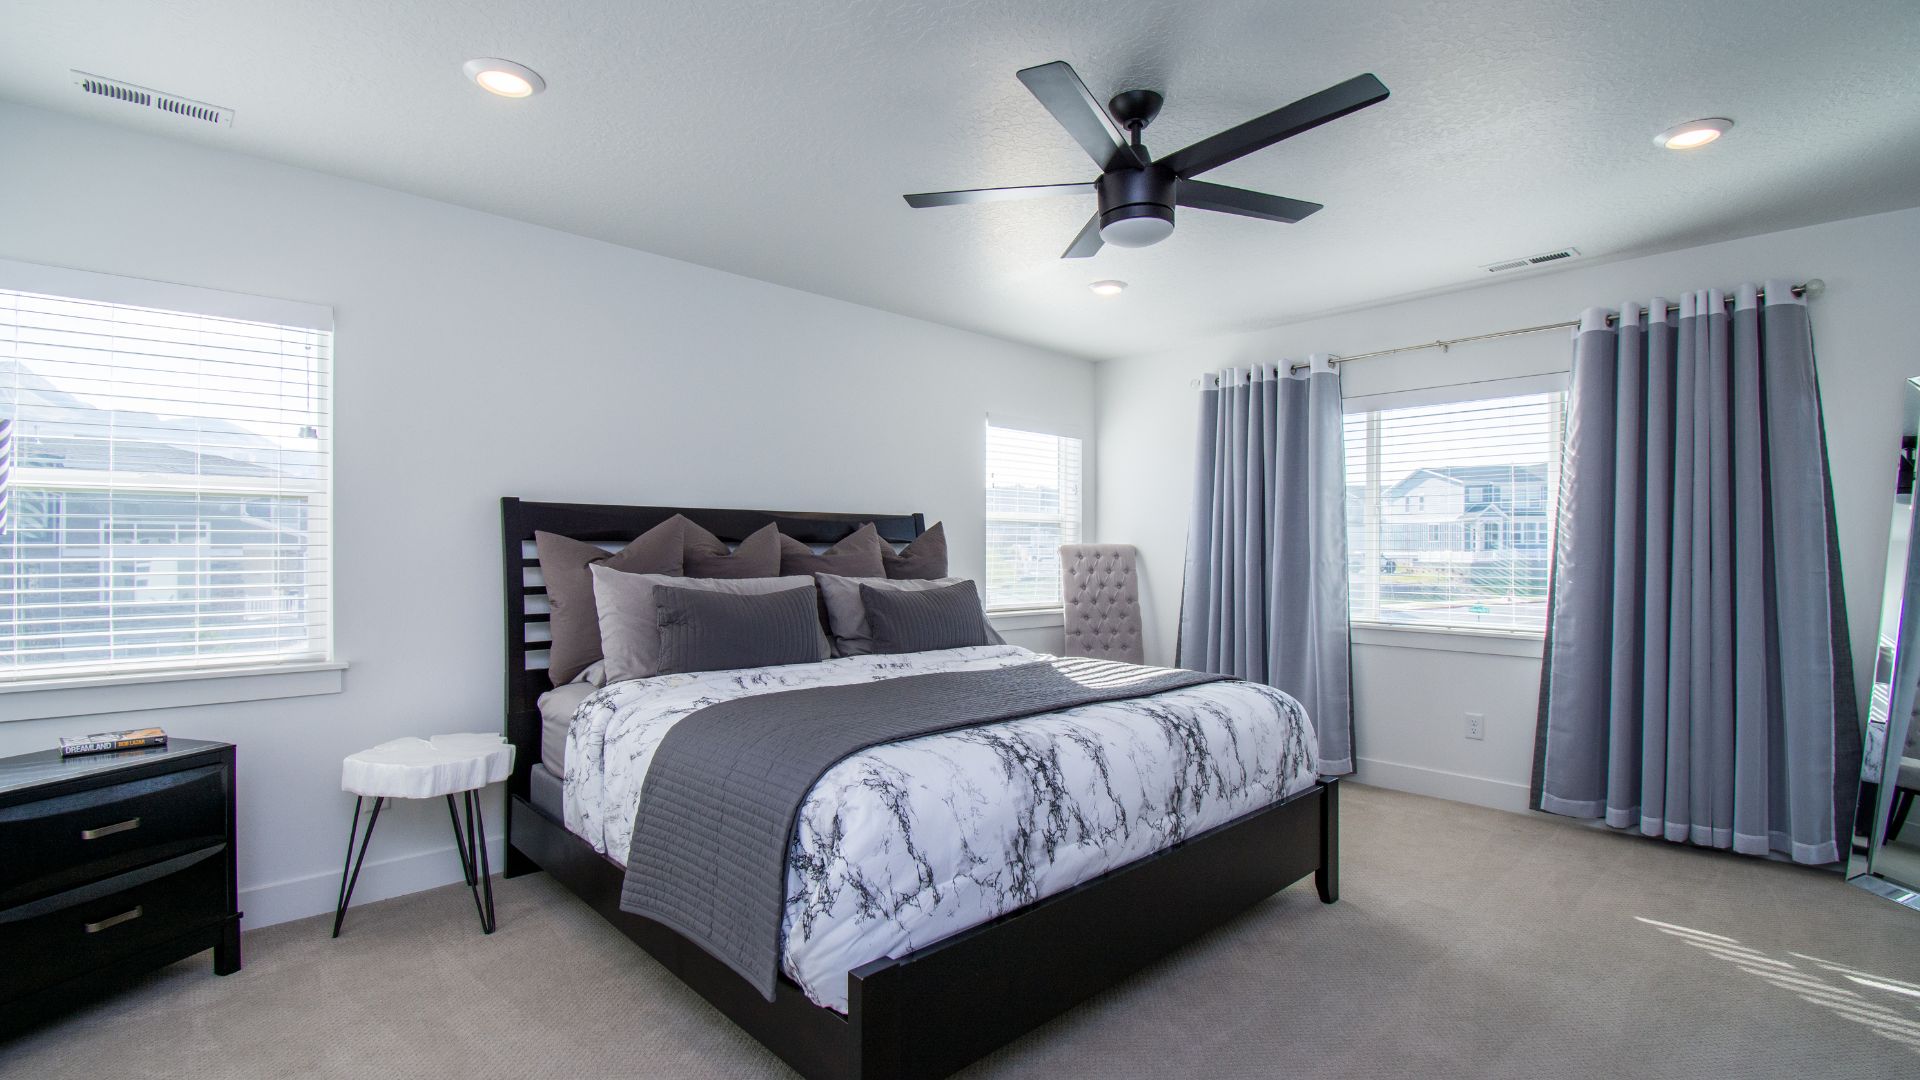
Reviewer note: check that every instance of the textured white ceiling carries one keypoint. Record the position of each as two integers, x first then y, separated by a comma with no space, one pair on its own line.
774,139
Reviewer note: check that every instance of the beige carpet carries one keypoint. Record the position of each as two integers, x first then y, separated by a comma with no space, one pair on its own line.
1470,943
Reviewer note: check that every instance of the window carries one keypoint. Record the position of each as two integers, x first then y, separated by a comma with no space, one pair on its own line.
167,506
1033,506
1450,512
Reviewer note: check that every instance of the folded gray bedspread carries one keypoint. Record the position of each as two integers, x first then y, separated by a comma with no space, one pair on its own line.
710,840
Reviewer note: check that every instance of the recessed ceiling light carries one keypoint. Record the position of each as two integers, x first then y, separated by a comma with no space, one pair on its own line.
1693,133
504,77
1108,287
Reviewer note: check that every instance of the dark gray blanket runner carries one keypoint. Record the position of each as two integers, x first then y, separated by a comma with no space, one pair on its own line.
709,855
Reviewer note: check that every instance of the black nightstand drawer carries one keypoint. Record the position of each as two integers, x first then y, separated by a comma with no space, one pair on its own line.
57,843
59,937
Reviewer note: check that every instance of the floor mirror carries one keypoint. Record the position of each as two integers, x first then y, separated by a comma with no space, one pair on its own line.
1886,842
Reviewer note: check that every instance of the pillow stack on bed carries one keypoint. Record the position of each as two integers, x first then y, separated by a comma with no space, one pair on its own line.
677,599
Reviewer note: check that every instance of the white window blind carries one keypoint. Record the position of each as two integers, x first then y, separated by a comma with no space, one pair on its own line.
1450,512
1033,506
168,502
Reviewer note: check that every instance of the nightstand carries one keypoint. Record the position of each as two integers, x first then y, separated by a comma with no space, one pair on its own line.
114,863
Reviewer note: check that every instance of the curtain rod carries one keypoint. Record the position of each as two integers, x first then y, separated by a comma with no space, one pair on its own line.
1811,287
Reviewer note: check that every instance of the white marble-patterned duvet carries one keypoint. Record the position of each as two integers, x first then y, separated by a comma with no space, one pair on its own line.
905,844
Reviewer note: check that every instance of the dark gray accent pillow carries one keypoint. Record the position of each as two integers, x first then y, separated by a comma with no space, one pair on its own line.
858,555
925,558
716,631
943,618
575,622
706,555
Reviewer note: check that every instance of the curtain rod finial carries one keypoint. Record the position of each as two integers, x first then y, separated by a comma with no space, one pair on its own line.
1814,287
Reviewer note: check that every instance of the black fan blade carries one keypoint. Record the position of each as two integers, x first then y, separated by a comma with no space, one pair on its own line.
1201,195
995,194
1066,97
1283,123
1088,243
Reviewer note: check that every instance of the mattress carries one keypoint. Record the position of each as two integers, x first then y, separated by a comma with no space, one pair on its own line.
902,845
545,794
556,715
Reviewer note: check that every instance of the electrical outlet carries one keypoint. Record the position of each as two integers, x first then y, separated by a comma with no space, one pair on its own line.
1476,725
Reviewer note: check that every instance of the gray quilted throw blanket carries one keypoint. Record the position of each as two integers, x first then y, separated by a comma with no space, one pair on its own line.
710,839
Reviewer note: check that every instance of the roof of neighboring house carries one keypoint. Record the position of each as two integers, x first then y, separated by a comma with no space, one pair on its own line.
1499,475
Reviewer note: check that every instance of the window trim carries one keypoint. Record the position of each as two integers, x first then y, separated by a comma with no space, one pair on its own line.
103,694
1016,616
248,678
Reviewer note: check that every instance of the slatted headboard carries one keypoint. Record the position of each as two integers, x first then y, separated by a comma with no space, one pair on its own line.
612,527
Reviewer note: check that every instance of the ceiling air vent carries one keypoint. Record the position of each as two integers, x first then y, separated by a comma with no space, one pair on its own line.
1505,265
148,98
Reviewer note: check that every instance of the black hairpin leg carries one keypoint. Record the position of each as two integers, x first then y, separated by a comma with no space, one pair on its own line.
486,870
350,873
473,856
462,846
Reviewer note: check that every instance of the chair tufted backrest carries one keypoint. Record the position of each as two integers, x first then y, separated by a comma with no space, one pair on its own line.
1102,594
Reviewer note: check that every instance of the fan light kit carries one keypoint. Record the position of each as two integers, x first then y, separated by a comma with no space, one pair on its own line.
1136,193
504,77
1108,287
1693,133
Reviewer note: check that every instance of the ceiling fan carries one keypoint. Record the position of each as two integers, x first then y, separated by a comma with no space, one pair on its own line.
1137,193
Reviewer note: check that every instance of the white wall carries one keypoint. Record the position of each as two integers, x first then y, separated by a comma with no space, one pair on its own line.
1410,702
478,357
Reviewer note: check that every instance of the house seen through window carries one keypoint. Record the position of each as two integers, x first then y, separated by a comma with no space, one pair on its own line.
1033,506
166,509
1450,512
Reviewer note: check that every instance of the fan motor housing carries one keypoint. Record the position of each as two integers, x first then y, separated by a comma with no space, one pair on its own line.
1127,194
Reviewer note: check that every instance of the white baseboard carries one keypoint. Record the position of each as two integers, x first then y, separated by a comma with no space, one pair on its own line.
316,894
1459,787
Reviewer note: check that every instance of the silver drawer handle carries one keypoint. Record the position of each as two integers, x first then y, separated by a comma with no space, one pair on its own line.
109,830
114,920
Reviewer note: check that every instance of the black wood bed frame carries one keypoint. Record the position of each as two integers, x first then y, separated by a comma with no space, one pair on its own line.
932,1011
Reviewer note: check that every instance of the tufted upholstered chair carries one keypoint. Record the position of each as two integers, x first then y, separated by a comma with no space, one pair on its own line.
1102,594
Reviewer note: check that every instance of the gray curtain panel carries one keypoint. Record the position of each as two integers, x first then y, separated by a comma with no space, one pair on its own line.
1697,684
1266,578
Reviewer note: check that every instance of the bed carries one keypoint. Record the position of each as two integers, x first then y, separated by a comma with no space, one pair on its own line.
971,943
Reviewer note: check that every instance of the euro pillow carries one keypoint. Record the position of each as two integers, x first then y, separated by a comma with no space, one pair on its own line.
574,623
630,618
710,630
706,556
920,620
924,559
847,616
858,555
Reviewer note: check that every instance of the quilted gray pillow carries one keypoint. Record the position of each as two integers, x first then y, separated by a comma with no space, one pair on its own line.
630,617
919,620
709,630
847,616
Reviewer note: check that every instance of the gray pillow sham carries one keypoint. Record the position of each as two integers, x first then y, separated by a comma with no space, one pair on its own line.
630,618
920,620
574,623
847,616
924,559
708,630
706,556
858,555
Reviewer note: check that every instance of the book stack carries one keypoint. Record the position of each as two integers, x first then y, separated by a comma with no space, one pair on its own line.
109,741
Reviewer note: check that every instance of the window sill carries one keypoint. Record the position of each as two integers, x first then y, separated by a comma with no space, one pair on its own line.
1485,642
99,695
1027,619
